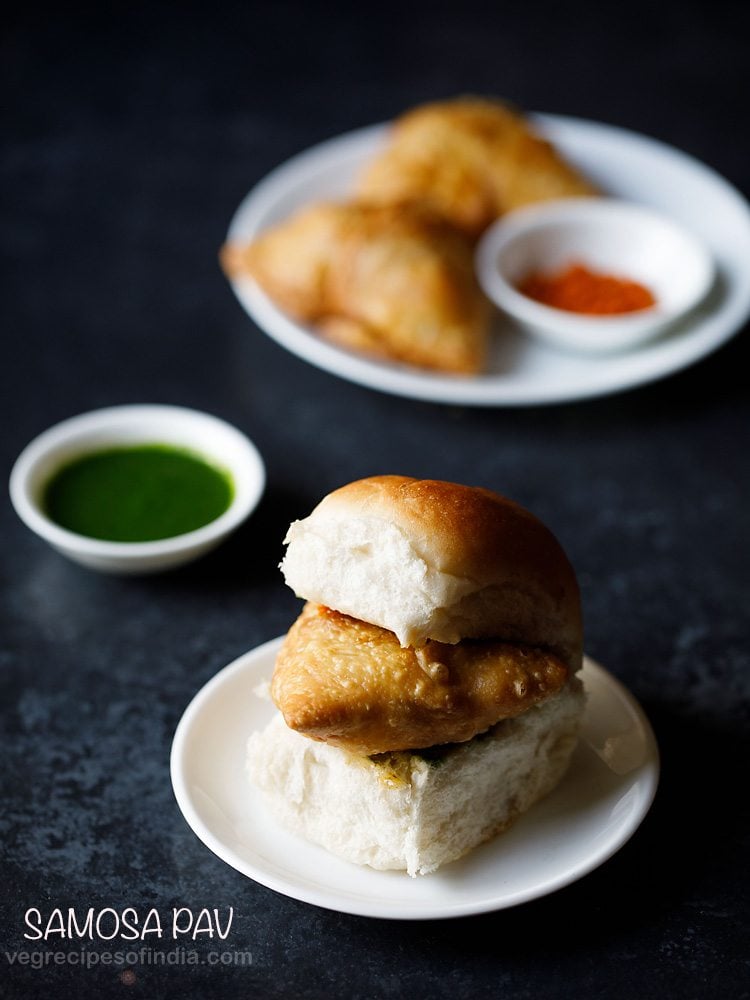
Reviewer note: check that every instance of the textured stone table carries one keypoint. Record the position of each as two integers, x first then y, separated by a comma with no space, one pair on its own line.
130,141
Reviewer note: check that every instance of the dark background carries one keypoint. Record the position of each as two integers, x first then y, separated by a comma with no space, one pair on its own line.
131,137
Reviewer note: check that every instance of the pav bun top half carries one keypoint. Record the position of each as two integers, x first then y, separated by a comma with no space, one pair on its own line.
438,561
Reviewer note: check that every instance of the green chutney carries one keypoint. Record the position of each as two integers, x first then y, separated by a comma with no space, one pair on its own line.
137,493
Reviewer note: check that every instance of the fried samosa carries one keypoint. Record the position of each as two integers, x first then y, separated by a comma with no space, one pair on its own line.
470,160
391,281
353,685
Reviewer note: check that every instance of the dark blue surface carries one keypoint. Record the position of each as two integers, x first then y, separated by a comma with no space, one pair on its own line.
132,136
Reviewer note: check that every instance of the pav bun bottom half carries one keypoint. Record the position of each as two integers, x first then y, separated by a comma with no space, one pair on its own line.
408,811
427,692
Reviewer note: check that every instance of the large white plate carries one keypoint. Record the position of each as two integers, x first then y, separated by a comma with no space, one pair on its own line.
523,371
597,807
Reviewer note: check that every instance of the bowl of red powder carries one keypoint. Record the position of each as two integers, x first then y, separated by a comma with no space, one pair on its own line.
597,275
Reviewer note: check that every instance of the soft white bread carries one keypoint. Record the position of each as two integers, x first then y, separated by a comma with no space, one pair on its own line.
433,560
411,812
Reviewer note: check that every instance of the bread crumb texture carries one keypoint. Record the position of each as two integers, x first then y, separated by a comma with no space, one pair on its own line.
405,811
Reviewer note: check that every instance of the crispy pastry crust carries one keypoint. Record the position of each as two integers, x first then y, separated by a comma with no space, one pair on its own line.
470,160
390,281
351,684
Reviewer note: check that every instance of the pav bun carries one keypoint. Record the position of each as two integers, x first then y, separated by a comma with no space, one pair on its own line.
410,811
431,560
427,693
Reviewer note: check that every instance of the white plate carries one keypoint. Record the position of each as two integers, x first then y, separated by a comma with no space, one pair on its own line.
521,370
592,813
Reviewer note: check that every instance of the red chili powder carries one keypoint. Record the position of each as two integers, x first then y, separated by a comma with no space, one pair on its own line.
576,288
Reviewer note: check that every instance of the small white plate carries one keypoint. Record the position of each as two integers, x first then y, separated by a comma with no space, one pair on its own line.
592,813
523,371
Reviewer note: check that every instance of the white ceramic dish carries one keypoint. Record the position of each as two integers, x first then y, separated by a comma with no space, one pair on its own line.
522,370
608,236
593,812
203,433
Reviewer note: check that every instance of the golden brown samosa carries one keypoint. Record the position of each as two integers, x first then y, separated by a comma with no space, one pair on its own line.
470,160
390,281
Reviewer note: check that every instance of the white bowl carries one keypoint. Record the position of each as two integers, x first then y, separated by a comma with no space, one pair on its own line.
217,441
607,235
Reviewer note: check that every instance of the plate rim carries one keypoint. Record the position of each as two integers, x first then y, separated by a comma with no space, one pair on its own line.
652,363
647,773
